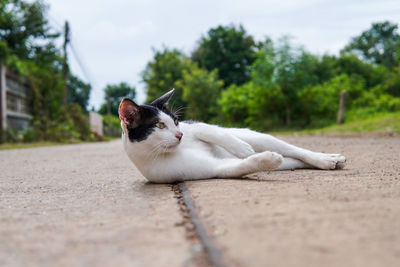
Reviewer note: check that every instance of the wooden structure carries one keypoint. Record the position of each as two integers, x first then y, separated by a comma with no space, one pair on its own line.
15,101
342,107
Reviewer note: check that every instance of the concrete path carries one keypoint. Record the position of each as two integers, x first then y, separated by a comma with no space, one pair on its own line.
86,205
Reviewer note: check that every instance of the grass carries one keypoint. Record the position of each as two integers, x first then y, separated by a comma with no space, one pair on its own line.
7,146
380,123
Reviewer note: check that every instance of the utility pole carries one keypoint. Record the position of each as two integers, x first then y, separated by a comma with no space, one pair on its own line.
65,68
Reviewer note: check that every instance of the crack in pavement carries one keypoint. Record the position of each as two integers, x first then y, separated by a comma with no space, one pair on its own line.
204,250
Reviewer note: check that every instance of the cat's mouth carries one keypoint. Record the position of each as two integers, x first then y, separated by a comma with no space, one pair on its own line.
172,146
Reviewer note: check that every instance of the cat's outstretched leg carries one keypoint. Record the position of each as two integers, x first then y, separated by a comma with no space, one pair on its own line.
291,164
255,163
264,142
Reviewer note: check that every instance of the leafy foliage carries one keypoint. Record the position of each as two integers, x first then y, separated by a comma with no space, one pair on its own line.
163,72
113,96
277,77
22,25
229,50
322,101
280,85
111,126
78,92
380,44
196,89
200,91
27,47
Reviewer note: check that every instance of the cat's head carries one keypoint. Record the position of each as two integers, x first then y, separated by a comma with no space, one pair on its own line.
153,124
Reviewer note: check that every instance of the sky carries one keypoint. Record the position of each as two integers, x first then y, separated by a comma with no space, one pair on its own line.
114,40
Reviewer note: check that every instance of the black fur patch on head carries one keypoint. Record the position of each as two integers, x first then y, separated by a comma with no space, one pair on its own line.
149,118
146,126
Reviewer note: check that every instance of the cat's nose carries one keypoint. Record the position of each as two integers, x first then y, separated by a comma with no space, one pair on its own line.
179,135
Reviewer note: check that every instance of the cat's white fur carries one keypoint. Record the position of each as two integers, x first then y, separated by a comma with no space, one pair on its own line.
207,151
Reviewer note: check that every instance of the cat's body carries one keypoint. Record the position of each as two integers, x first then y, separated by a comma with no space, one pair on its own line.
166,151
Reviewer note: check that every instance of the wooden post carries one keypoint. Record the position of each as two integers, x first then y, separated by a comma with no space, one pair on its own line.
342,107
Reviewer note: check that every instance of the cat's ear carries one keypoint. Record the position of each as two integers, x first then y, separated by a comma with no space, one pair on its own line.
163,100
129,112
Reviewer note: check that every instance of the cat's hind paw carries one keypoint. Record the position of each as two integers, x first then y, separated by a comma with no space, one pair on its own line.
329,161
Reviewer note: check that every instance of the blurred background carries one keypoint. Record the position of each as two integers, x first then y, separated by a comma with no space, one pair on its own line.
293,66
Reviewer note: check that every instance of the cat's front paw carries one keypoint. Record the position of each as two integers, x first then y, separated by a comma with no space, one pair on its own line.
242,149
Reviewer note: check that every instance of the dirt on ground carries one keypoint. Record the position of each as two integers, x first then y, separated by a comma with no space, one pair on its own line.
87,205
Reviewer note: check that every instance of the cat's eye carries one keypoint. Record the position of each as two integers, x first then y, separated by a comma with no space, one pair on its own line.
160,125
176,122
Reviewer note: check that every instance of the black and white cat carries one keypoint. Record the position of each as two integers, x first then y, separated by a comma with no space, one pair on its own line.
166,150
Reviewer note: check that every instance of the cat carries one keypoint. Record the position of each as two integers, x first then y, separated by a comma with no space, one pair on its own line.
166,150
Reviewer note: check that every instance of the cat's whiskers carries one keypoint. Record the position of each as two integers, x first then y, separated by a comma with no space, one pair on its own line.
179,111
154,152
157,150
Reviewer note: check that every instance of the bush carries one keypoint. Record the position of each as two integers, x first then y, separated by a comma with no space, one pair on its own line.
70,125
111,126
378,100
26,135
252,106
321,102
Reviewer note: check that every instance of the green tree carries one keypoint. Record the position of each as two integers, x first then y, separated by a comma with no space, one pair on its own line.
113,96
27,47
78,92
380,44
294,69
351,65
393,82
234,104
200,91
257,103
278,75
326,68
262,69
162,73
25,29
228,49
